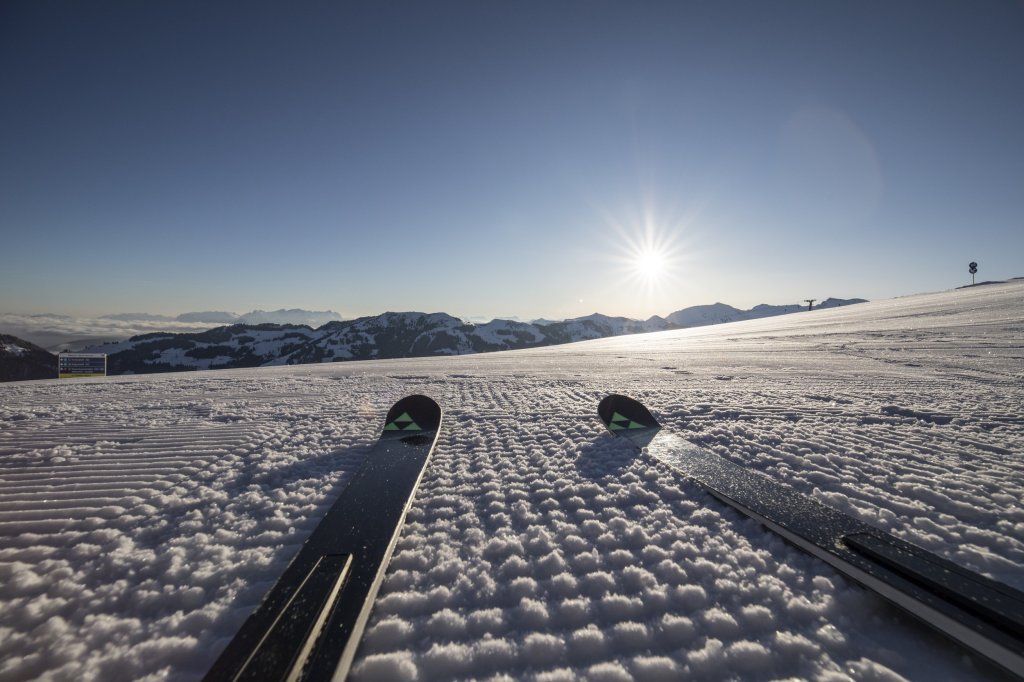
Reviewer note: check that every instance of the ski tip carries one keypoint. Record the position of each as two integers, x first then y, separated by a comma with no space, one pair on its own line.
622,414
413,415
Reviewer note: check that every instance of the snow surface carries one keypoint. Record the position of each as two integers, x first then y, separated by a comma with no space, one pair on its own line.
143,518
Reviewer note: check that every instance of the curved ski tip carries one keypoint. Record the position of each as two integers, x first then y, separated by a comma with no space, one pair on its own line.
413,414
622,413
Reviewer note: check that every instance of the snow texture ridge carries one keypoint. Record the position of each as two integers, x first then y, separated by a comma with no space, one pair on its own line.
142,518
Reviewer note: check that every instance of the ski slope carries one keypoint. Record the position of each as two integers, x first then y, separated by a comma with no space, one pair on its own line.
143,518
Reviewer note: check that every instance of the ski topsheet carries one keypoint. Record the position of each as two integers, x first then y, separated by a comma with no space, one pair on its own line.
980,613
310,624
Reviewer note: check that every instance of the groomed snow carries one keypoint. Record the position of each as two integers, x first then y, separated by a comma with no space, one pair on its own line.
143,518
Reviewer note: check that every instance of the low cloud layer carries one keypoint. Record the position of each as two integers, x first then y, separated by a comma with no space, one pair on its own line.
64,332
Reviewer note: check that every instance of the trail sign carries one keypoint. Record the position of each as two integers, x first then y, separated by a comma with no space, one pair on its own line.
73,365
972,268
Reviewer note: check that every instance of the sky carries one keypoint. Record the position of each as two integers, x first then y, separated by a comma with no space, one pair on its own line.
504,159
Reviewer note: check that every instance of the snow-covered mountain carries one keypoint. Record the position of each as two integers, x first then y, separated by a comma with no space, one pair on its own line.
209,317
224,347
718,313
21,360
65,333
598,326
700,315
763,310
311,318
390,335
835,303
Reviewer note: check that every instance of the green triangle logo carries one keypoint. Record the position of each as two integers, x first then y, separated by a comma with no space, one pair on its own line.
403,423
620,423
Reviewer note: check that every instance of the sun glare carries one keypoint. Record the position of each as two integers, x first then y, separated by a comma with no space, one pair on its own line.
650,255
650,265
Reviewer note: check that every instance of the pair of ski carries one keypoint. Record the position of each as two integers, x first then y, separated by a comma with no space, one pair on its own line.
310,624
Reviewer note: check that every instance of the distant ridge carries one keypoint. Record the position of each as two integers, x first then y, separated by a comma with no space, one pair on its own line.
393,335
20,360
991,281
717,313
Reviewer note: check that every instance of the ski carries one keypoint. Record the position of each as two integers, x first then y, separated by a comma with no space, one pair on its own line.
980,613
309,625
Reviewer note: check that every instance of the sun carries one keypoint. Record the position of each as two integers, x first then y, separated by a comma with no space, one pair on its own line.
650,264
650,257
649,254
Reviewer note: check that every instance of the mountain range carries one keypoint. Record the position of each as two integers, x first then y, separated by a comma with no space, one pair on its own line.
392,335
255,343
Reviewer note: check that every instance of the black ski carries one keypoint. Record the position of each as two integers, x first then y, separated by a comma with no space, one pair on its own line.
309,625
984,615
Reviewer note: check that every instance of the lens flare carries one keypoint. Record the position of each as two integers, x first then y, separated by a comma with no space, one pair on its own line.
650,265
647,258
651,255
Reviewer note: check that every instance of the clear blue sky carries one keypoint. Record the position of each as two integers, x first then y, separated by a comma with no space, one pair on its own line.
500,159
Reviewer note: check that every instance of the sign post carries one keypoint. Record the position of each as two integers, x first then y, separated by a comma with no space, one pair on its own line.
972,268
73,365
